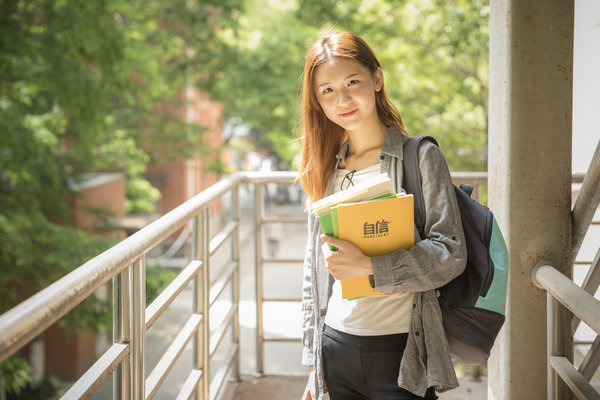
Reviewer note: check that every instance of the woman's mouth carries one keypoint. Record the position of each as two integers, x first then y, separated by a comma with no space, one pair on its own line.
348,113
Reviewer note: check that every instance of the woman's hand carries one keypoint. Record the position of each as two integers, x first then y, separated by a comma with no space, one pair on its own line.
348,261
310,386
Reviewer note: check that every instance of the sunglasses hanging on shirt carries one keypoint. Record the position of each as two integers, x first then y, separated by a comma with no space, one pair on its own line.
347,180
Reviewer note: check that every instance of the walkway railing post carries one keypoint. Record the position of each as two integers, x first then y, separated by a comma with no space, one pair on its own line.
200,251
259,204
121,333
138,328
206,303
235,210
197,306
556,387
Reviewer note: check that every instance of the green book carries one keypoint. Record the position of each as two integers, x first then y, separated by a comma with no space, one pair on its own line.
327,227
334,222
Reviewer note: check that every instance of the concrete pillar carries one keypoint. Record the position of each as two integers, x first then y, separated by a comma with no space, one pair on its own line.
530,112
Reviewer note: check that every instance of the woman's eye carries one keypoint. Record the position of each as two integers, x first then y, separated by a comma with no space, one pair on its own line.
353,82
327,90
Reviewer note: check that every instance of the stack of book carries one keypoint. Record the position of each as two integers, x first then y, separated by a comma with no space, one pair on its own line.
372,216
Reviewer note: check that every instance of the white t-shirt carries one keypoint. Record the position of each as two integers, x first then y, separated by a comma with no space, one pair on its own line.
373,315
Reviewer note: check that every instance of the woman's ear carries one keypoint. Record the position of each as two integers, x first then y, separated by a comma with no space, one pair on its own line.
378,79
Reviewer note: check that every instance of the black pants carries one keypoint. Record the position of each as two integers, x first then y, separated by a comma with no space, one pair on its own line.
365,367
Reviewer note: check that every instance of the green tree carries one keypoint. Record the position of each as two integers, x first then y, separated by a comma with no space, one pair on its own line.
434,56
89,86
92,86
259,84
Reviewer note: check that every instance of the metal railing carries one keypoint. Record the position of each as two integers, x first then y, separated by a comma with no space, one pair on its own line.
125,264
260,181
578,300
562,290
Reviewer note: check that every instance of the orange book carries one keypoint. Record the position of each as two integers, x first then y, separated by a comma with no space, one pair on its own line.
377,227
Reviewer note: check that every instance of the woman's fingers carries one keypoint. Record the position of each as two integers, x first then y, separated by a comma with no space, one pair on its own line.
348,261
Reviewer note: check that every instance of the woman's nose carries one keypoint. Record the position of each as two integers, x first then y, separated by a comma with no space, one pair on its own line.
343,97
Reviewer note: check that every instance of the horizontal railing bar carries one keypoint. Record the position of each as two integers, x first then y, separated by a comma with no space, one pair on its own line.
577,300
221,373
24,322
591,361
97,373
282,339
219,334
578,385
219,285
281,300
166,297
282,260
166,362
222,237
474,178
278,220
269,177
578,177
190,385
477,177
582,342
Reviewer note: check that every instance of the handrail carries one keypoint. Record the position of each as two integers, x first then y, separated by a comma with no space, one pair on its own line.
125,263
562,290
578,301
28,319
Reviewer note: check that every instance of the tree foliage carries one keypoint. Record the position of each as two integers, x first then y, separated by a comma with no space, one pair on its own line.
89,86
434,55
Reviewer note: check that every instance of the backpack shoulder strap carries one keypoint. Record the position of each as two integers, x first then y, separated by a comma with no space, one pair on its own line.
412,177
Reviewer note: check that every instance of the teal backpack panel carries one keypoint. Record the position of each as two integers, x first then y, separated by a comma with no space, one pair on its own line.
495,299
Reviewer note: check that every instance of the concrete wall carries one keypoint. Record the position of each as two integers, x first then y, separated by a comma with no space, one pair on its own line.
531,56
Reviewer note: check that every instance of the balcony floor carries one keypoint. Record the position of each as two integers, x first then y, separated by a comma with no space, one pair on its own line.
279,387
269,387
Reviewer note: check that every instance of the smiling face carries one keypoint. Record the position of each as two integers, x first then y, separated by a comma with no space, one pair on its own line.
345,90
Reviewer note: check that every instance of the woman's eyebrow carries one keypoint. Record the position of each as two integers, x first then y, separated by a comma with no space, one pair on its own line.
348,77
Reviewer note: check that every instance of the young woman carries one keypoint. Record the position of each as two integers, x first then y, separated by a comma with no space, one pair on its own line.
387,346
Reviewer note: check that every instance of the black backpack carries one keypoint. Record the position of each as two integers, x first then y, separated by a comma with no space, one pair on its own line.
473,303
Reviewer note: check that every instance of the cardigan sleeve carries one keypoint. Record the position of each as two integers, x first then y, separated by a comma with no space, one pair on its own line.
308,314
440,257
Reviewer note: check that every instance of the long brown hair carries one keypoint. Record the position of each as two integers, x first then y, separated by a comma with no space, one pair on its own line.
323,138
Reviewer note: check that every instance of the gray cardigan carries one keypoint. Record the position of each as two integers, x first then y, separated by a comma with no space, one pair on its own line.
429,264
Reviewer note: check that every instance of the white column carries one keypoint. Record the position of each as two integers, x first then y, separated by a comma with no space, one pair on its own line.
530,111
